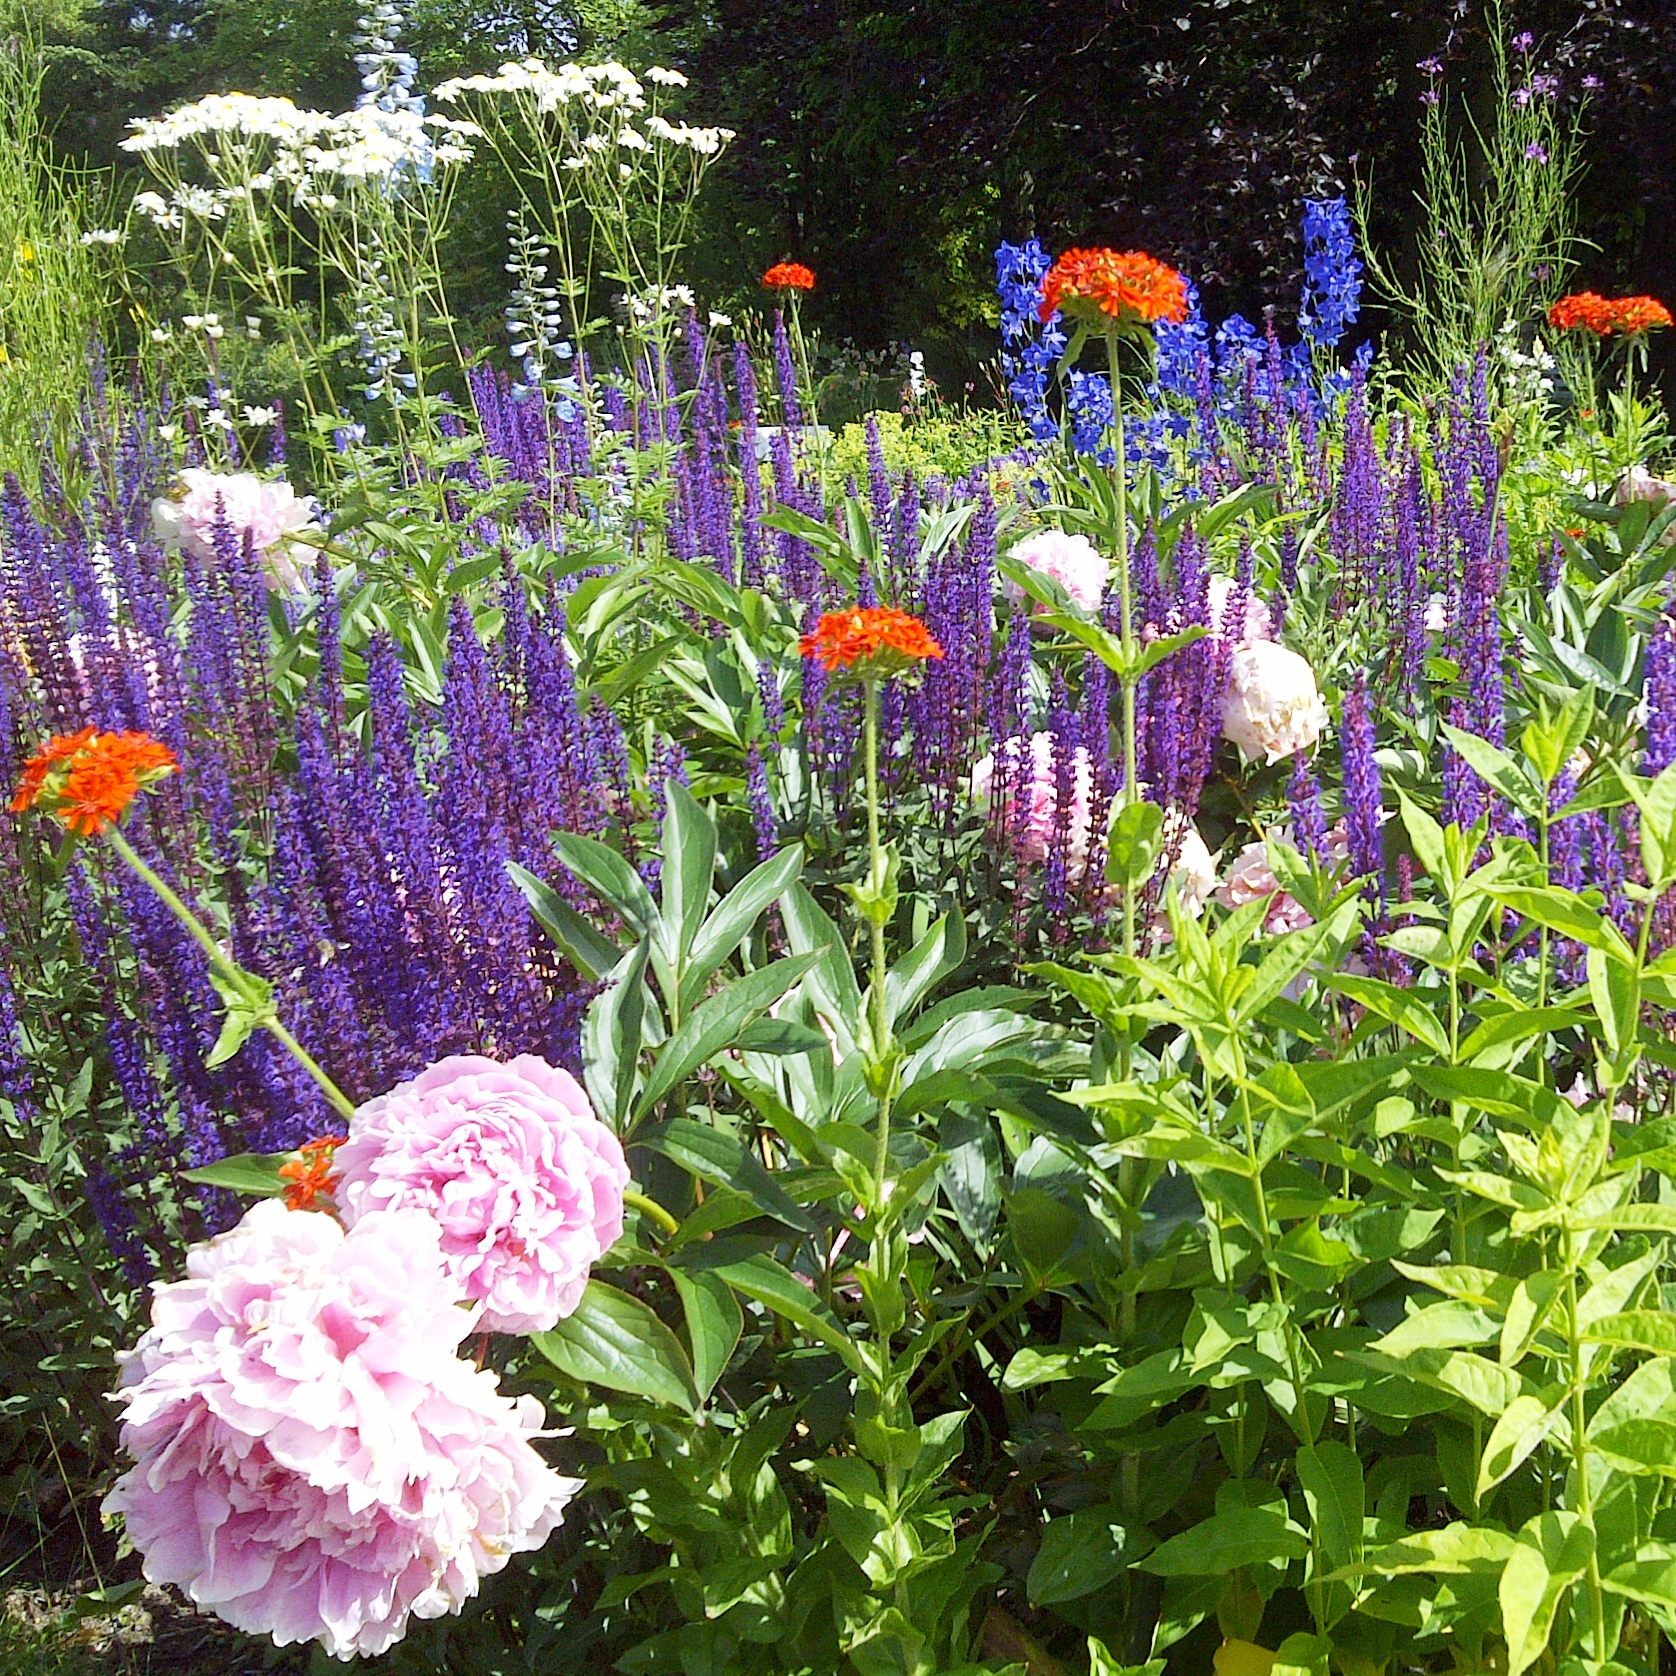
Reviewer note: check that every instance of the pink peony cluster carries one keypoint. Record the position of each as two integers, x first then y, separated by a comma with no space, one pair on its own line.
313,1459
1031,791
1073,561
526,1183
268,515
1252,879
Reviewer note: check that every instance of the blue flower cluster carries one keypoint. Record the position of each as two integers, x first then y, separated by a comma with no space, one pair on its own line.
1029,350
387,74
1332,272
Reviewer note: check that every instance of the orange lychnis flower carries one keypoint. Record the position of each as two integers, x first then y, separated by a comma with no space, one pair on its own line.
789,276
1102,288
310,1172
88,779
1604,315
869,643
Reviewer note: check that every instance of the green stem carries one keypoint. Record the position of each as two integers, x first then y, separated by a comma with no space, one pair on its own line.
876,880
1580,1449
225,969
651,1208
1126,626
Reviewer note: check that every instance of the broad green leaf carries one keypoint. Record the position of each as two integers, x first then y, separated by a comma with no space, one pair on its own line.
1486,1386
1133,842
1080,1552
590,953
1532,1301
1638,1446
1236,1537
1642,1218
614,1340
1552,1551
1425,835
778,1289
1567,913
1526,1421
610,877
1331,1475
1447,1326
689,861
1405,1008
714,1323
1650,1577
246,1172
1455,1550
715,1024
1652,1330
913,977
613,1033
1615,989
724,1160
1496,768
733,917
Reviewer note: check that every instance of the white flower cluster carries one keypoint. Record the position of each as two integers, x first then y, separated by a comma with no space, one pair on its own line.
648,307
314,155
594,87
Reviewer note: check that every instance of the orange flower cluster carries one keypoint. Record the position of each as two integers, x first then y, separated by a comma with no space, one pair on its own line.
789,276
869,643
88,779
1102,287
310,1172
1604,315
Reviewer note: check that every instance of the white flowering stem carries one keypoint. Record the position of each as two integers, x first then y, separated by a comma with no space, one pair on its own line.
235,977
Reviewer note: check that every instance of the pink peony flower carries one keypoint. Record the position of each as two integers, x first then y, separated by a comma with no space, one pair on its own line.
1251,879
1639,484
1031,810
1256,623
313,1459
526,1182
1073,561
1272,707
268,514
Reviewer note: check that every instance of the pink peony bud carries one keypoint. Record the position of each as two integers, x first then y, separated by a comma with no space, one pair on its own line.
525,1181
1255,623
1031,813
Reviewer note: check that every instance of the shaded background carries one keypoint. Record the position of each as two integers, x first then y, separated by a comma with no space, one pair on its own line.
891,145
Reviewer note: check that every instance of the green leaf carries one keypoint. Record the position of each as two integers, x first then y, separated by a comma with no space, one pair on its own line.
778,1289
913,977
1566,912
714,1323
1652,1330
1458,1549
1405,1008
724,1160
613,1034
613,1340
715,1024
1496,768
1552,1551
247,1172
1080,1552
1331,1476
1227,1540
733,917
1532,1302
1640,1447
1425,835
590,953
249,1001
1650,1577
610,877
1133,843
689,862
1526,1422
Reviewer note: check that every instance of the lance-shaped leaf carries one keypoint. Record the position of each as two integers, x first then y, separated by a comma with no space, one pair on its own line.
724,1160
614,1340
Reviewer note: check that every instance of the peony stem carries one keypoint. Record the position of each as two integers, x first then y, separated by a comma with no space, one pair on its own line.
650,1207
